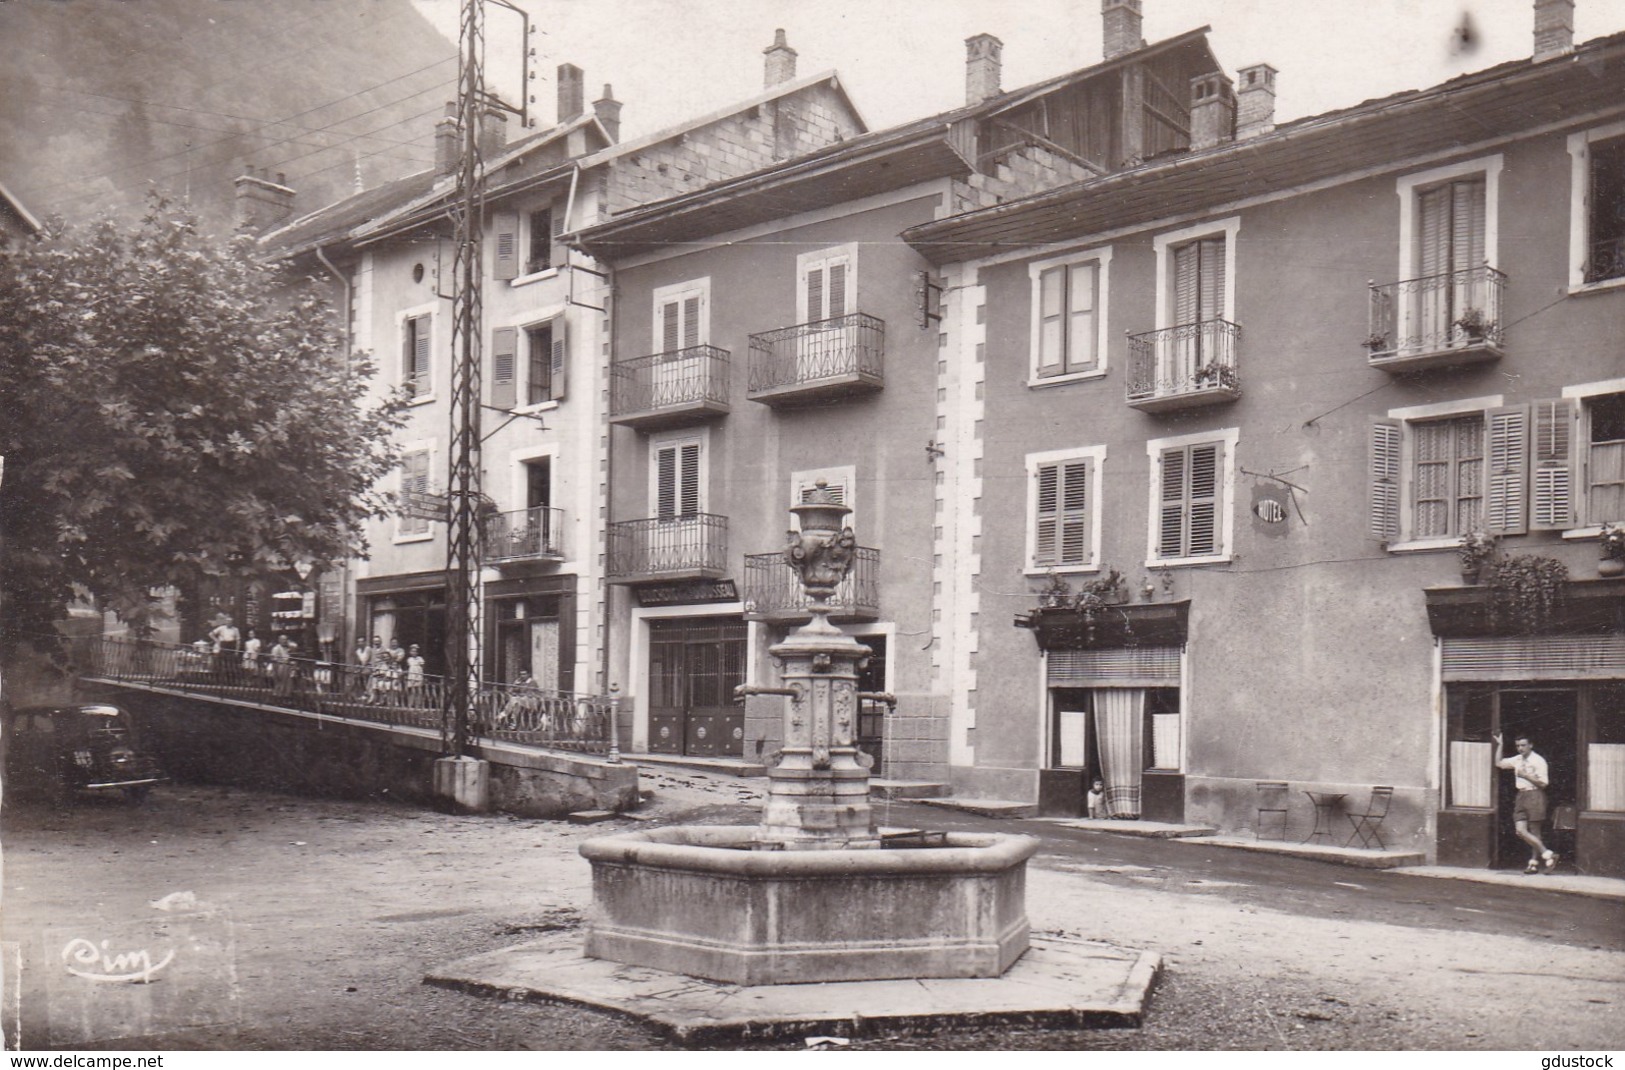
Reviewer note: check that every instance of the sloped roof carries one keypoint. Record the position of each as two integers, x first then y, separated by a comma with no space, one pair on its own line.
875,162
17,208
1501,101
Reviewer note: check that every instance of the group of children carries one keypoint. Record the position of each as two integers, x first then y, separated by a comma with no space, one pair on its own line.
390,675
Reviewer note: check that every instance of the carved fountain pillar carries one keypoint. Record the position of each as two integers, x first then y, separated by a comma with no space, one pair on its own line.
818,794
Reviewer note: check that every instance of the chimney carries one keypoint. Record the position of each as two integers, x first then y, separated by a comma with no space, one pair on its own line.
1255,101
446,146
1121,19
780,65
262,203
571,92
982,68
608,110
493,133
1213,110
1554,29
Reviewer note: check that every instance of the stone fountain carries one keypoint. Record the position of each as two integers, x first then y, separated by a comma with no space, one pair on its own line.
814,892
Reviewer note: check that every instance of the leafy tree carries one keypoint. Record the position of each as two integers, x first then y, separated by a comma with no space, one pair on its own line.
171,407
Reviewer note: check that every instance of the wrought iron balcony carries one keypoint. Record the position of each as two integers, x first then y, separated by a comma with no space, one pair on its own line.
524,535
1183,367
773,591
653,550
671,389
1607,260
810,362
1437,320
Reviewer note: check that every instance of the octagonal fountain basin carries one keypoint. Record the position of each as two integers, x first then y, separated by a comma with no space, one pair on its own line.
709,901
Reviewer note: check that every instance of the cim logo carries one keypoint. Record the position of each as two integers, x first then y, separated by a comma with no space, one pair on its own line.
86,959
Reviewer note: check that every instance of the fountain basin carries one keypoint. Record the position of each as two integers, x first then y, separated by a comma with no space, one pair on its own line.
699,900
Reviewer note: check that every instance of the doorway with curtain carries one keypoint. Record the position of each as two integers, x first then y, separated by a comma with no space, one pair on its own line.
1117,734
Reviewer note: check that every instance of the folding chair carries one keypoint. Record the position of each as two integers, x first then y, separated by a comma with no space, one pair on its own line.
1272,805
1368,826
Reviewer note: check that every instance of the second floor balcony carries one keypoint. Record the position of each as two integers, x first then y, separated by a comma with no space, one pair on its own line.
1437,321
671,389
1184,367
535,534
809,362
773,591
657,550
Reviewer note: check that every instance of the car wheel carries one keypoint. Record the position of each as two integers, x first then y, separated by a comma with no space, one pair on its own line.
139,793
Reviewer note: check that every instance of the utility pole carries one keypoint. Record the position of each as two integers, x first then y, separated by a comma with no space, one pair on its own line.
463,542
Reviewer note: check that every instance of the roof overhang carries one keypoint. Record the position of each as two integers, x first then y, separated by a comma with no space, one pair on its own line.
1385,134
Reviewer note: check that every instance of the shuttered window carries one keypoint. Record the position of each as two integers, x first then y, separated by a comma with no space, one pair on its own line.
1063,532
505,245
1506,487
1066,319
1605,211
681,321
545,347
414,480
1199,282
827,289
1189,521
1450,227
416,337
1384,478
504,357
1605,460
677,480
1447,476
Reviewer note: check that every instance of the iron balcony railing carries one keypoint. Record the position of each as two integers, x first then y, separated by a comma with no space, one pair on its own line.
380,694
524,533
1189,359
1436,313
1607,260
693,545
853,345
692,376
772,589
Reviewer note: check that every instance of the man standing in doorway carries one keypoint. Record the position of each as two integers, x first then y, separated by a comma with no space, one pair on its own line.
1529,812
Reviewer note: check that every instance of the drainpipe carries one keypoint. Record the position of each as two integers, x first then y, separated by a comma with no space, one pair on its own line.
344,281
569,208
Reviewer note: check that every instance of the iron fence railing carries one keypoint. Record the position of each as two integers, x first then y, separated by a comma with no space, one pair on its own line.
663,380
772,587
1187,359
524,533
853,344
381,694
1434,313
1607,260
680,545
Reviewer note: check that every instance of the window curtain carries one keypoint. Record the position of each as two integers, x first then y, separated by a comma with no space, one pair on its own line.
1471,764
1606,776
1120,732
544,654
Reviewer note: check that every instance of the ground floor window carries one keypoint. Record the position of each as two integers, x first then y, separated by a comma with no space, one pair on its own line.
1116,734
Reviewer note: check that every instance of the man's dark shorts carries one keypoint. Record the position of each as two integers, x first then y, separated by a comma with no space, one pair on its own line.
1531,806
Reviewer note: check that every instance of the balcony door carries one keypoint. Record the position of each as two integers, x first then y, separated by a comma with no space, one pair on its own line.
677,493
1198,291
694,666
680,324
825,298
1450,246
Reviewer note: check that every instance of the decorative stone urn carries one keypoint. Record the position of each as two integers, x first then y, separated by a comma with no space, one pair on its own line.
815,892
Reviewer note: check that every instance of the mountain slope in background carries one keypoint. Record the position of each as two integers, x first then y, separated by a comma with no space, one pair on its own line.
101,98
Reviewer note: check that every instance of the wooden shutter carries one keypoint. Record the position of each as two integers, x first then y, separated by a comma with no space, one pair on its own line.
506,262
1171,509
815,294
691,321
1202,501
558,356
1210,266
422,334
1047,516
1466,224
1186,281
837,289
688,499
558,253
1051,325
1552,456
504,380
409,335
1433,231
1506,492
677,480
1082,280
666,482
671,326
1384,488
1074,516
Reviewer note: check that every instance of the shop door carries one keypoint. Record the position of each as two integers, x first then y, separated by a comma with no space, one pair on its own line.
1549,718
694,667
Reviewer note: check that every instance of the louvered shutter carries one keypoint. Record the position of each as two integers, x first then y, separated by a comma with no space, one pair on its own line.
689,497
666,482
1081,282
558,356
1187,259
558,252
1384,481
837,289
423,334
1210,295
1552,457
691,321
1202,501
1433,232
1074,518
815,294
409,336
1171,509
505,265
1051,307
1047,516
671,327
504,354
1466,224
1506,492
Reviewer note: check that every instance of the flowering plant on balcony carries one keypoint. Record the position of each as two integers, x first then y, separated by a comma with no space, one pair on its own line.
1477,547
1473,323
1612,545
1376,341
1215,374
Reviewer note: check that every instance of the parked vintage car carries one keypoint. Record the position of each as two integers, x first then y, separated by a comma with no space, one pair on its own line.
59,751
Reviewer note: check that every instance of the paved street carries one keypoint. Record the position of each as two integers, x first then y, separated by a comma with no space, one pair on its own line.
336,909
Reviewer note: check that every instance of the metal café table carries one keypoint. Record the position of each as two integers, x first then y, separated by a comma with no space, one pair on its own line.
1326,803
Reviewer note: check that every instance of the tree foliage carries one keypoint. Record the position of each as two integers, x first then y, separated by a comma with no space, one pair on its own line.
171,408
